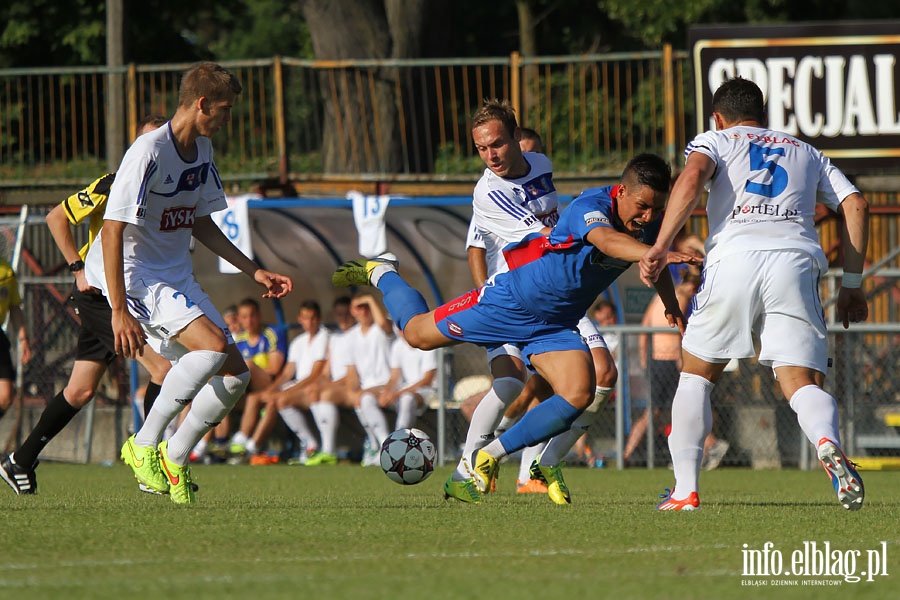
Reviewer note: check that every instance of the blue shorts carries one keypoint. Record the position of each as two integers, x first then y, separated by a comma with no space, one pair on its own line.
491,316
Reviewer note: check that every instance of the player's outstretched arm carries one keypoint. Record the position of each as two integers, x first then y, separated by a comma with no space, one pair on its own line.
209,234
665,287
682,201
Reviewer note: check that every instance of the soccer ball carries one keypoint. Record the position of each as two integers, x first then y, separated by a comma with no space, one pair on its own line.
407,456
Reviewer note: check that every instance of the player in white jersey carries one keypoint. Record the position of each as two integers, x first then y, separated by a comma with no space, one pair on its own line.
368,369
166,189
761,279
413,374
327,395
515,197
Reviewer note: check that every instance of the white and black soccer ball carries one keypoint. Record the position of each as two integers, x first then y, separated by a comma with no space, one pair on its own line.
407,456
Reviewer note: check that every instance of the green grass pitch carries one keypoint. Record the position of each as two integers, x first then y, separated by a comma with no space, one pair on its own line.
349,532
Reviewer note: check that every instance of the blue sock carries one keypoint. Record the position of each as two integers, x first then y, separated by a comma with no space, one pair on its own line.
552,416
401,300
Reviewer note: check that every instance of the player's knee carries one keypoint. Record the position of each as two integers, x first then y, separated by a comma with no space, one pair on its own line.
280,401
77,397
580,399
235,386
417,338
507,389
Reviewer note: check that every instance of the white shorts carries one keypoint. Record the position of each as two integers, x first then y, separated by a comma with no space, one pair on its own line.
505,350
589,332
164,309
773,295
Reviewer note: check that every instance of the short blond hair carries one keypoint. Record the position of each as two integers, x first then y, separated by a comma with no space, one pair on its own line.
208,80
496,110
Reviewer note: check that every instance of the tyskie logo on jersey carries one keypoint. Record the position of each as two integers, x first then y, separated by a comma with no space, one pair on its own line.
177,217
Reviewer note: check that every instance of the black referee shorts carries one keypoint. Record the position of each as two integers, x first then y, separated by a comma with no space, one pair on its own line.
96,341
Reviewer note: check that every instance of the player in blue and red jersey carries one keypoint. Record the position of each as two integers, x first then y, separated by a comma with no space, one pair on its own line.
538,304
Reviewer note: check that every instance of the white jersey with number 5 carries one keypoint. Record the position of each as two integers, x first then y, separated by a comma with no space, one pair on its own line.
159,195
764,191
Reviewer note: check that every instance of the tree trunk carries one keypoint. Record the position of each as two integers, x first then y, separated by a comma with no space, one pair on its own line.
361,125
527,48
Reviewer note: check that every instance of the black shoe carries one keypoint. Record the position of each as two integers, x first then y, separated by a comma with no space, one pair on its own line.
21,479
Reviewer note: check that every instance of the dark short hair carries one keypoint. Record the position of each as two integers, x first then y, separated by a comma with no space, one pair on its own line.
496,110
154,120
739,99
311,305
650,170
603,303
249,302
528,133
341,300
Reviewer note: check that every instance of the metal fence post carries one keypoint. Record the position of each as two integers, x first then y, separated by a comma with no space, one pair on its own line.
620,402
651,424
280,136
669,102
515,83
443,361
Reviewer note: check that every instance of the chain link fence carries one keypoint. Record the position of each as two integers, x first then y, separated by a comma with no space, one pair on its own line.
750,414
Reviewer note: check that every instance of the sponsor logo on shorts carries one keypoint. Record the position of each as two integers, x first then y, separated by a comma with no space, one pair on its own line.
454,329
183,401
461,303
84,199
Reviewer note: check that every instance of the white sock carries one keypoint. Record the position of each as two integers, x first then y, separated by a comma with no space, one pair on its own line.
560,445
486,417
296,422
239,439
212,403
327,419
817,413
375,418
169,431
529,454
251,447
181,385
380,270
691,423
505,423
406,410
364,421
